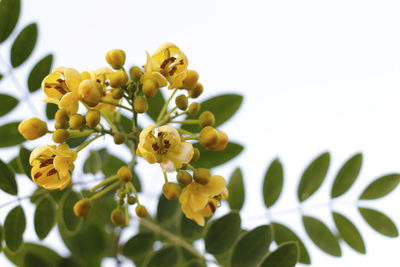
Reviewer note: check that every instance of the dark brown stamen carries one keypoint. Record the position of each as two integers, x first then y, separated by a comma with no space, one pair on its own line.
155,146
212,206
60,80
47,86
61,90
37,175
46,162
172,71
51,172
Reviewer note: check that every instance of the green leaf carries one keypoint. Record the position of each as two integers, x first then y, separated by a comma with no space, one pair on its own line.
111,165
8,103
167,209
313,177
210,159
45,217
166,256
252,247
1,237
23,45
349,232
69,262
92,163
68,219
284,256
155,105
379,222
9,14
39,251
222,233
33,260
381,187
222,106
273,183
283,234
15,165
126,123
24,155
39,71
51,110
139,246
7,179
322,236
190,229
75,142
236,190
14,228
346,176
9,135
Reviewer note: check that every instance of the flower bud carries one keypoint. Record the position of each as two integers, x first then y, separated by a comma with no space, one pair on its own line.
92,118
121,202
140,104
196,91
141,211
135,72
184,178
90,92
116,58
222,142
125,174
60,135
32,128
196,154
61,115
181,102
202,176
117,93
191,79
132,200
119,138
118,78
194,108
150,88
77,121
117,217
209,136
171,191
206,118
61,125
82,207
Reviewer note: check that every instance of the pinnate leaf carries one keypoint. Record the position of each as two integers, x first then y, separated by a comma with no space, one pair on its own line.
381,187
379,222
9,14
38,72
9,135
346,176
349,232
273,182
23,45
284,256
210,159
8,103
236,190
7,179
14,228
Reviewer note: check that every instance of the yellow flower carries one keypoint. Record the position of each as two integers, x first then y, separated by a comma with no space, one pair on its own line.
166,148
170,62
51,166
32,128
199,201
61,88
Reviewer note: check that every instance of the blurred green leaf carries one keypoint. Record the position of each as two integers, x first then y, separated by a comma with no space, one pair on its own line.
23,45
381,187
9,14
38,72
51,110
284,256
194,263
283,234
236,190
155,105
7,179
252,247
322,237
69,262
126,123
9,135
222,106
1,238
379,221
15,165
45,217
111,165
92,163
33,260
273,183
68,219
190,229
39,251
167,209
349,232
139,246
8,103
24,155
75,142
14,228
210,159
313,176
347,175
166,256
222,233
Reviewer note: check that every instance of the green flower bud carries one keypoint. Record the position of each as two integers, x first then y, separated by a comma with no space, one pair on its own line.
61,115
171,191
92,118
196,91
125,174
77,121
117,217
82,207
150,88
181,102
140,104
60,135
119,138
61,125
194,108
206,118
135,72
202,176
117,93
132,200
184,178
141,211
196,154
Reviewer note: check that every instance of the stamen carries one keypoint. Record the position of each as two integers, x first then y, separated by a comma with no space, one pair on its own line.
60,80
47,86
46,162
51,172
155,146
37,175
60,89
212,206
172,71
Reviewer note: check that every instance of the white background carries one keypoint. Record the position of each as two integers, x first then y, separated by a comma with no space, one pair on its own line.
316,76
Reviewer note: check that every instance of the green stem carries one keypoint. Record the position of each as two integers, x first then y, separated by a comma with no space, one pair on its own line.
183,131
191,167
104,182
88,142
164,108
133,189
109,121
165,176
127,212
186,122
115,104
105,190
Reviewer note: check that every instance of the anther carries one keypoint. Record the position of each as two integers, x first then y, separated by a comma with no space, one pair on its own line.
51,172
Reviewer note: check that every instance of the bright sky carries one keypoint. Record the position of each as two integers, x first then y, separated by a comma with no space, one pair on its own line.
316,76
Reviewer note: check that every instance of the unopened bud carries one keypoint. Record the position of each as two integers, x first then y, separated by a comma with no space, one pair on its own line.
194,108
184,178
116,58
191,79
150,88
60,135
132,200
206,118
135,72
141,211
82,207
118,78
117,217
125,174
171,191
222,142
119,138
92,118
196,91
77,121
196,154
32,128
61,116
202,176
90,92
117,93
140,104
209,136
181,102
61,125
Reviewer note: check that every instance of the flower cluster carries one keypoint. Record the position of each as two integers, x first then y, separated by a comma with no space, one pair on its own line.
90,103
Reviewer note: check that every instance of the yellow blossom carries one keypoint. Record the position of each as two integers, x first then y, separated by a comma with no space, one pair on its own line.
165,148
51,166
199,201
169,61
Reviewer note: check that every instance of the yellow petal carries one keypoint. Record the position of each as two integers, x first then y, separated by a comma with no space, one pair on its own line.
42,151
72,79
171,132
198,201
168,165
61,165
70,102
215,186
190,214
